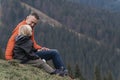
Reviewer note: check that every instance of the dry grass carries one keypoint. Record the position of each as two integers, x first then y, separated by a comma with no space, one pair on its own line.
15,71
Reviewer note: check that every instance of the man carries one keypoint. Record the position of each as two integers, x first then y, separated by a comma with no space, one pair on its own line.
42,52
31,20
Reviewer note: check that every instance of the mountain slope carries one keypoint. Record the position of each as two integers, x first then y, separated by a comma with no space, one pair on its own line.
11,70
54,23
44,18
84,51
99,24
95,3
112,5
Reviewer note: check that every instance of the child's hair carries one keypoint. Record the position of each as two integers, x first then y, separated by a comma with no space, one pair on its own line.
25,30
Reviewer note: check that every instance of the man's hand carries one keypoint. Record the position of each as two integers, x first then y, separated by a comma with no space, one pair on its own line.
43,49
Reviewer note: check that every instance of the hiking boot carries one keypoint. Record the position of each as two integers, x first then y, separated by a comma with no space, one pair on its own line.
63,73
57,71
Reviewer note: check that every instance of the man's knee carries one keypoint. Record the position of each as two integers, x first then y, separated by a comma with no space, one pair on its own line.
55,52
36,63
40,61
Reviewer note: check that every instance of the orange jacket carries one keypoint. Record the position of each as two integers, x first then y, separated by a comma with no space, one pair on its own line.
11,42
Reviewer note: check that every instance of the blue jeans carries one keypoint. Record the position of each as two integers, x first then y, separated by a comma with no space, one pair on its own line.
53,55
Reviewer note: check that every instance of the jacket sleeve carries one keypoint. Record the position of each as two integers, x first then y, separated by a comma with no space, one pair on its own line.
10,46
29,53
11,42
36,46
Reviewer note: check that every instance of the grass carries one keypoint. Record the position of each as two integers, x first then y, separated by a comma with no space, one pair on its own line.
15,71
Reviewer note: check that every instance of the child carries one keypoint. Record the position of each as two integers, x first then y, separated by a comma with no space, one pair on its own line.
25,52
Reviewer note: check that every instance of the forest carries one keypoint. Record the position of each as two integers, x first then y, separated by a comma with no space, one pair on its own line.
92,56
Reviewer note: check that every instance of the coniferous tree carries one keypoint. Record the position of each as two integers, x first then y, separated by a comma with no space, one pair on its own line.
1,54
104,78
78,73
70,70
110,76
97,73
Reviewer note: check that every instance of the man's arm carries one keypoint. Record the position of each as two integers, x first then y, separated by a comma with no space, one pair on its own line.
10,46
11,42
36,46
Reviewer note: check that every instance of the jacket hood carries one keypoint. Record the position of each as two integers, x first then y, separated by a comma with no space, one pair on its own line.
20,39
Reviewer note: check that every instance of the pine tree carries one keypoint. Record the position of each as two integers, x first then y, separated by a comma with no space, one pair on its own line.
78,73
97,73
109,77
70,70
1,54
105,78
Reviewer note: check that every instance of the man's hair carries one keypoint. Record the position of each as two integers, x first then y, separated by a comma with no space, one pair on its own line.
35,15
25,30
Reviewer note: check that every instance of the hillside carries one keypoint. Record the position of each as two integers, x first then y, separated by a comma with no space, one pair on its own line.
86,51
100,24
95,3
15,71
112,5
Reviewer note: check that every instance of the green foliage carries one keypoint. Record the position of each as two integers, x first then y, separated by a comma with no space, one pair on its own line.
109,76
97,73
70,70
1,54
105,78
78,73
